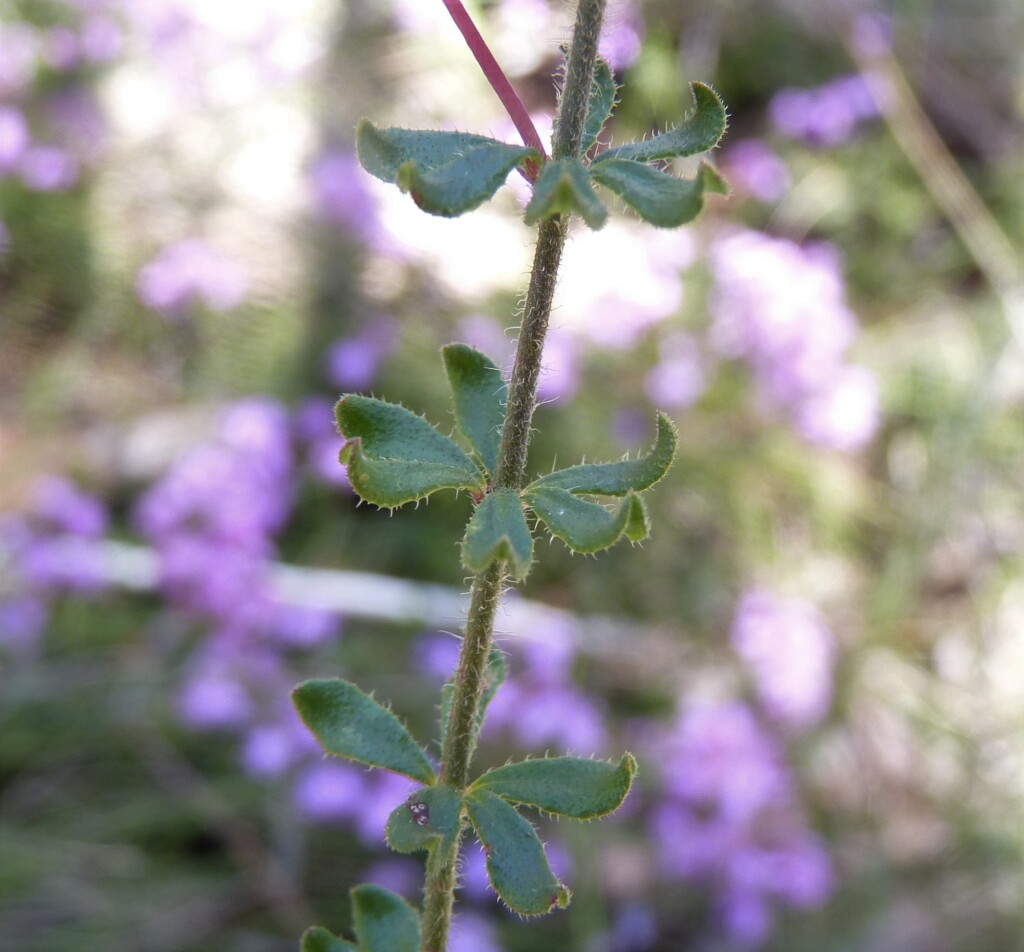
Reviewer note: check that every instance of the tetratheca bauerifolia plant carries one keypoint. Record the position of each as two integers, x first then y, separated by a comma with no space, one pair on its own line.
395,457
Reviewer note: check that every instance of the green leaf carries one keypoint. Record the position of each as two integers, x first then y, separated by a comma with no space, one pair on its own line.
567,786
516,864
494,676
698,133
563,187
601,103
582,525
465,182
616,479
318,939
657,197
384,922
430,816
479,393
394,456
351,724
498,531
382,152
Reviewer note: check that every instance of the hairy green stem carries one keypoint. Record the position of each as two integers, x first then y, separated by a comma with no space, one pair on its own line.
461,735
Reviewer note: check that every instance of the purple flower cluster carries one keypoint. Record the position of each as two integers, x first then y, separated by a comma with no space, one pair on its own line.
826,116
50,550
752,167
188,274
212,520
789,652
781,308
49,126
729,819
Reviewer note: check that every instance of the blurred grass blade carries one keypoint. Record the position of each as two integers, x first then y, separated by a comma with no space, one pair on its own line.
349,723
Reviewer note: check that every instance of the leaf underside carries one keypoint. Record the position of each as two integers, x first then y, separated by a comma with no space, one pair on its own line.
516,863
383,921
382,152
563,187
498,531
349,723
698,133
480,393
566,786
463,183
658,198
616,479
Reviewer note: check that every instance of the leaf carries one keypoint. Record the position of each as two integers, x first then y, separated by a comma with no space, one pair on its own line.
463,183
638,526
563,187
349,723
600,105
479,393
498,531
616,479
384,922
318,939
430,816
382,152
699,132
494,676
568,786
394,456
516,864
657,197
582,525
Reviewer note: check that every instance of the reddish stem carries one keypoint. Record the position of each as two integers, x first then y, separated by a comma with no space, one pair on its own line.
496,77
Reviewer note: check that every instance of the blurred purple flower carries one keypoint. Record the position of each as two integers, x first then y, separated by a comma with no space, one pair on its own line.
341,194
473,933
678,379
14,138
729,819
623,34
214,699
302,627
64,564
782,308
845,414
269,750
402,876
752,167
559,378
826,116
101,39
23,619
65,508
187,274
20,46
62,50
47,168
329,792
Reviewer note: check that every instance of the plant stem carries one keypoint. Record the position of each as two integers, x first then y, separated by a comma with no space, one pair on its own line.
461,735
